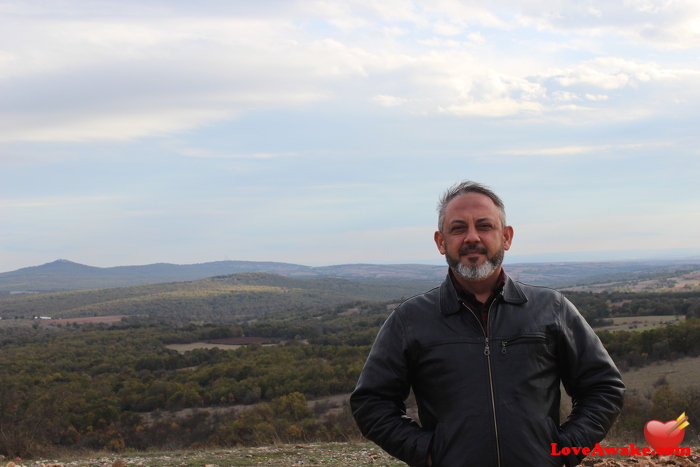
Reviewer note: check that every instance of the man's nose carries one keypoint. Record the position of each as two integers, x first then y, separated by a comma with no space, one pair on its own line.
472,236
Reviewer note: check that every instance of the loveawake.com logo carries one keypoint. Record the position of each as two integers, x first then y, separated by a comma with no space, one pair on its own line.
630,450
664,438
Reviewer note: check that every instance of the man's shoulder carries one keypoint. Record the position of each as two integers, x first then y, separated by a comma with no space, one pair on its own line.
537,289
421,301
531,293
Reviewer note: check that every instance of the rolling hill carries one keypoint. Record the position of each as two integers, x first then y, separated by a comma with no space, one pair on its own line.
215,299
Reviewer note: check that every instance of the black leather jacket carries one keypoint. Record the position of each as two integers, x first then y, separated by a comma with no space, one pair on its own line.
487,401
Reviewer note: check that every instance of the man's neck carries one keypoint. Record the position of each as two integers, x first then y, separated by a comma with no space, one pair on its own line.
481,289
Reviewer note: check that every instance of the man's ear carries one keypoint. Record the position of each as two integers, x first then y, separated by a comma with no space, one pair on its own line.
507,237
440,242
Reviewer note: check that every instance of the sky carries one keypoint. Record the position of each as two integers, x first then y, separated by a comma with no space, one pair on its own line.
323,132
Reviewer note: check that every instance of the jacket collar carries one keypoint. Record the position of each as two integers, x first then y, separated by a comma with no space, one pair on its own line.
450,303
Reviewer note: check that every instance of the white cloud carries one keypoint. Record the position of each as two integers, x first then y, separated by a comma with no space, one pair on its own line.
657,24
597,97
444,28
556,151
604,149
104,126
495,108
565,96
476,37
576,95
207,154
53,201
615,73
164,70
465,13
388,101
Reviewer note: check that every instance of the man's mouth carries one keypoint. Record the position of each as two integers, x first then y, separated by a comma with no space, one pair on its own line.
472,250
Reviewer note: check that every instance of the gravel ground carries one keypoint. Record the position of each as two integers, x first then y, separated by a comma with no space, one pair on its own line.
326,454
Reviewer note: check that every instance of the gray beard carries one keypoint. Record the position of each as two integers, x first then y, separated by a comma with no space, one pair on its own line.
472,273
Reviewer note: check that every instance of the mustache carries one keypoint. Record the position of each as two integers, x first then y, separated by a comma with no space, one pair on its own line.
469,248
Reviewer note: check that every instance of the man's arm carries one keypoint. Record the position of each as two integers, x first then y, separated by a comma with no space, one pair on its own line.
378,400
591,379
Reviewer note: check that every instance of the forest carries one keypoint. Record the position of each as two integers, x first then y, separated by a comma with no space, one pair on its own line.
94,386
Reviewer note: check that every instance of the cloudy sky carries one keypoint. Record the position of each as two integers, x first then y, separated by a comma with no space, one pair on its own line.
323,132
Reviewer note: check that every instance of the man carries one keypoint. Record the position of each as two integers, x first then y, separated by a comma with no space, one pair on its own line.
485,356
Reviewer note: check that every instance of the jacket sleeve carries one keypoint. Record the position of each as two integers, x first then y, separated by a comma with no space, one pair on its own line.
591,379
378,400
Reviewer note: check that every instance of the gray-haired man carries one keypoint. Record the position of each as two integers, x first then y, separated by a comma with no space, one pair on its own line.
485,357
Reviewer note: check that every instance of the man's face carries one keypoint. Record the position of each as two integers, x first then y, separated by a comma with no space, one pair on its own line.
472,238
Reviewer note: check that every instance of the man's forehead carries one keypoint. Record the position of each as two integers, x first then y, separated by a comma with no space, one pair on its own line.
472,204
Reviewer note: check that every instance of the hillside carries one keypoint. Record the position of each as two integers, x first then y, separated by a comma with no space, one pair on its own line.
631,276
216,299
681,373
64,275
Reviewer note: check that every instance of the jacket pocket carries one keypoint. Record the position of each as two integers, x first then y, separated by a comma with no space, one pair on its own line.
554,431
523,339
555,442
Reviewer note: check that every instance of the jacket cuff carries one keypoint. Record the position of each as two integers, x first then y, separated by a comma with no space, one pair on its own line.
423,446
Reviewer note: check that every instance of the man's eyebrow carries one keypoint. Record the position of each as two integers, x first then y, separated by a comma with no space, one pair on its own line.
481,219
458,222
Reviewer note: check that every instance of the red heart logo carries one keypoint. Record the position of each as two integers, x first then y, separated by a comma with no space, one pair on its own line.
656,434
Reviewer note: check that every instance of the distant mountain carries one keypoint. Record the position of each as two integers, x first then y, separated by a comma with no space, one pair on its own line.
575,274
64,275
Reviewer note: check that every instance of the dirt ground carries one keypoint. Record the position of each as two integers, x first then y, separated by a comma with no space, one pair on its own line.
323,454
645,461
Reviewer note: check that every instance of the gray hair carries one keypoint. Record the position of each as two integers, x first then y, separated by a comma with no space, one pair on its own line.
462,188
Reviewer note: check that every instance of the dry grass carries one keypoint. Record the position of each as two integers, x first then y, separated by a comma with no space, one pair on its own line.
323,454
640,323
92,319
182,348
679,373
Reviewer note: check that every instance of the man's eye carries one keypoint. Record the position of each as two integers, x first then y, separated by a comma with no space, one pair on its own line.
484,226
459,229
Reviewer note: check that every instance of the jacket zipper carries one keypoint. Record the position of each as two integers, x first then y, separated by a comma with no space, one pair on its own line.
487,352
